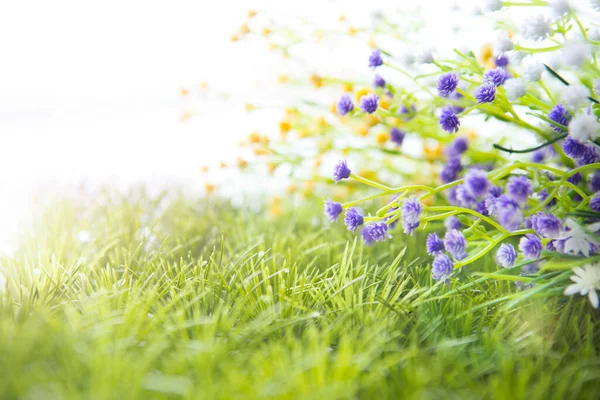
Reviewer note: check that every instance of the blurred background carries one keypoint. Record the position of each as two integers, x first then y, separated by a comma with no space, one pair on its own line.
122,93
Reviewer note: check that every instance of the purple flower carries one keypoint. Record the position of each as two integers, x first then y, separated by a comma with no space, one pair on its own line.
435,245
369,103
531,246
595,202
455,244
545,225
397,136
519,188
345,105
507,212
442,267
333,210
476,182
538,156
560,115
502,60
450,171
575,179
465,197
374,232
574,148
411,214
595,182
456,96
353,219
375,59
448,120
452,222
506,255
481,208
378,81
495,191
457,147
591,155
341,171
496,76
543,194
486,93
447,84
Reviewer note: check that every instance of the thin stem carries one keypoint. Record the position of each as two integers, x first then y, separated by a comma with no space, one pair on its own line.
531,149
462,210
370,182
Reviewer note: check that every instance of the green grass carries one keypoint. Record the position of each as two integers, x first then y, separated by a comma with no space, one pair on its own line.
200,300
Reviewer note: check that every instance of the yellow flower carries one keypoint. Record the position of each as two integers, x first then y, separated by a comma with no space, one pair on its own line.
251,13
184,92
204,168
363,130
433,151
254,137
369,174
249,107
304,133
283,79
348,87
316,80
266,31
352,31
203,85
486,55
241,163
384,103
371,120
333,108
362,92
271,167
222,164
185,116
244,29
210,188
382,137
285,127
261,151
235,37
318,162
471,135
308,187
342,18
291,188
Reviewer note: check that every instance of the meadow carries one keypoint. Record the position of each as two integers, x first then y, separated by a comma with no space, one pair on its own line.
137,296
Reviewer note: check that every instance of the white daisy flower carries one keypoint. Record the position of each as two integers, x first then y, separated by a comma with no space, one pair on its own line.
536,27
575,95
503,44
492,5
584,127
425,57
533,72
577,240
559,7
587,281
515,88
407,59
575,53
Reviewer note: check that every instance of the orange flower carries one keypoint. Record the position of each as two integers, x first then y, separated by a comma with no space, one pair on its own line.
266,31
363,130
241,163
285,127
210,188
235,37
245,29
283,79
384,103
371,120
254,137
222,165
251,13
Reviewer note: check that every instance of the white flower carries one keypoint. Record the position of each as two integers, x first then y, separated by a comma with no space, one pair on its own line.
492,5
560,7
595,5
597,86
503,44
594,34
587,281
533,72
575,95
536,27
425,57
577,240
407,59
515,88
584,127
576,53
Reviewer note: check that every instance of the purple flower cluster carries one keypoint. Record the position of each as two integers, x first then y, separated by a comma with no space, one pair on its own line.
333,210
341,171
476,182
519,188
375,232
559,114
486,93
448,120
451,170
452,222
411,215
506,210
506,256
435,245
353,219
447,84
397,136
531,246
545,225
455,244
496,76
369,103
345,105
442,267
378,81
457,147
595,202
375,59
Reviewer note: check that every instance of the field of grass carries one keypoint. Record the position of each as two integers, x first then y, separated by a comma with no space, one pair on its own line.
132,297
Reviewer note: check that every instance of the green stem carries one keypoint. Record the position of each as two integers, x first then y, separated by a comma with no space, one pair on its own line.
370,182
462,210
